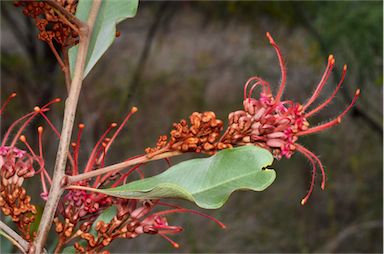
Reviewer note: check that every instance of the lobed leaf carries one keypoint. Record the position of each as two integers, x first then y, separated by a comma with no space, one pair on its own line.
208,182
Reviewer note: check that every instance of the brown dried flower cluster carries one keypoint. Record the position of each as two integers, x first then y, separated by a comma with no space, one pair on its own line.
52,25
132,218
16,165
200,136
79,208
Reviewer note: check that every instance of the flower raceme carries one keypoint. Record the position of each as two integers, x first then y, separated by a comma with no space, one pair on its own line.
16,165
268,122
276,124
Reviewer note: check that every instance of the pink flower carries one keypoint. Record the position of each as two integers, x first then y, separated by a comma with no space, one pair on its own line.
276,124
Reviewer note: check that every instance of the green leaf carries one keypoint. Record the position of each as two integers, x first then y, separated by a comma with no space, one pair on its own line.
35,224
69,250
106,216
110,13
208,182
5,246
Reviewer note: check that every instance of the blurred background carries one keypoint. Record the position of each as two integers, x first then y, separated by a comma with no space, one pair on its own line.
175,58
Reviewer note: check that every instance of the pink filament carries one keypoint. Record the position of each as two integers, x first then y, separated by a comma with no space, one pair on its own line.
308,153
128,116
282,68
305,199
325,103
183,210
56,132
174,244
75,170
92,159
13,95
335,121
125,176
327,72
259,81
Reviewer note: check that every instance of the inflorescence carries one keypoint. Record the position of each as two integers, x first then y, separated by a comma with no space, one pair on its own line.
268,122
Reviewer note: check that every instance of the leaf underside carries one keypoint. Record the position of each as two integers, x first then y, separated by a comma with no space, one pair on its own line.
208,182
111,12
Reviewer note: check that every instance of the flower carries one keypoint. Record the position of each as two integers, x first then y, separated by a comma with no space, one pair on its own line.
16,165
268,122
277,124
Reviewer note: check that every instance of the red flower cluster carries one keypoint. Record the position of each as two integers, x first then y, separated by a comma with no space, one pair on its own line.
276,124
16,165
268,122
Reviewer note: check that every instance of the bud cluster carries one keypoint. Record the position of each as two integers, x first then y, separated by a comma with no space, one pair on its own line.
76,207
15,166
131,220
201,136
52,25
267,125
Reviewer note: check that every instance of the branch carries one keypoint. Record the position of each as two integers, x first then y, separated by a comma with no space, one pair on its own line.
85,31
119,166
12,236
71,18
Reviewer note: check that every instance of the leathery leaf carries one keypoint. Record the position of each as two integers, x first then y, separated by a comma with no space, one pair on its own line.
209,181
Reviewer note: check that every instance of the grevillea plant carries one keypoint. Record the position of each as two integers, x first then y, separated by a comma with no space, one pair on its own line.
90,204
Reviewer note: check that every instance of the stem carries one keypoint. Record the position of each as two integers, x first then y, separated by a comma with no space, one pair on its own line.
71,18
59,246
85,31
119,166
12,236
58,58
67,72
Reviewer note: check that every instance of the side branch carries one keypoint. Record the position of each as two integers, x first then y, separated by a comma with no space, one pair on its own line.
71,18
119,166
11,235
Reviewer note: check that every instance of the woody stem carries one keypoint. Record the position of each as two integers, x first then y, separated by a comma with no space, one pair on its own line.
85,31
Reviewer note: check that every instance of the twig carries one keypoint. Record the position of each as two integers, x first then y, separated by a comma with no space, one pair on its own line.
85,31
67,71
71,18
119,166
12,236
54,51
